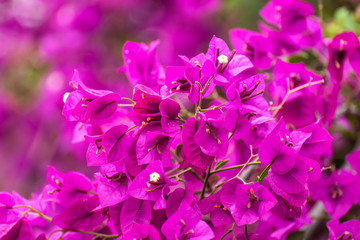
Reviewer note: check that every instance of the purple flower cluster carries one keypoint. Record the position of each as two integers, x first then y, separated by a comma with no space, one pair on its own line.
42,42
232,144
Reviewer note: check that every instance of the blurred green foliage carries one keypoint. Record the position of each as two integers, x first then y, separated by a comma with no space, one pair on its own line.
338,15
344,20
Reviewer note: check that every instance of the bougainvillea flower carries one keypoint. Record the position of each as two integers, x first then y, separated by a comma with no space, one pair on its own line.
300,111
284,210
20,230
75,186
151,184
54,177
194,156
237,124
112,184
346,230
337,192
298,108
310,38
7,215
169,110
176,197
151,108
80,215
355,62
212,137
276,147
246,89
354,160
147,110
229,65
202,75
41,237
293,75
260,128
95,154
316,144
253,45
88,105
134,211
116,142
343,46
141,91
186,79
175,80
282,44
186,223
219,214
141,231
68,187
218,148
152,146
248,202
141,64
289,15
272,227
292,184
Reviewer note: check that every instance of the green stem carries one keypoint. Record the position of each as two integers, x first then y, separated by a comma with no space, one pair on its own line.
205,182
290,91
172,171
126,105
101,235
321,13
264,171
176,157
246,232
55,231
248,163
207,83
228,232
97,235
34,210
212,108
197,176
128,99
181,173
234,167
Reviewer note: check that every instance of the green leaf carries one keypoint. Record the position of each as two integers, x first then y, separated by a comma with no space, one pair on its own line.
178,149
263,175
213,179
296,236
344,20
220,164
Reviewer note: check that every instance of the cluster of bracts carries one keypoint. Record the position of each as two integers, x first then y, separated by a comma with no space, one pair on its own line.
233,144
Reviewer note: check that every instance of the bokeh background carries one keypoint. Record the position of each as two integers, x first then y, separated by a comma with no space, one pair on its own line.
42,42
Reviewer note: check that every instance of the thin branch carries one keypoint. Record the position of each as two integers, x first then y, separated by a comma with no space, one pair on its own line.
128,99
34,210
290,91
235,167
212,108
205,183
181,173
126,105
228,232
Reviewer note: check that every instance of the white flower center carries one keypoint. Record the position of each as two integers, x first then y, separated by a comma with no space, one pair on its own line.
222,59
65,97
154,177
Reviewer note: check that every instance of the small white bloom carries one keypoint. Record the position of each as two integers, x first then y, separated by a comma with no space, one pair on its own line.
154,177
222,59
65,97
